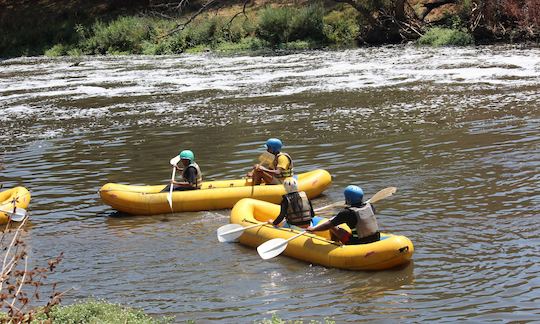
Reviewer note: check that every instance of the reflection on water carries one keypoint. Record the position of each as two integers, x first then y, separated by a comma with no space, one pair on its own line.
456,130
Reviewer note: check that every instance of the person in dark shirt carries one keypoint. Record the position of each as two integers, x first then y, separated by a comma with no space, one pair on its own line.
295,207
191,174
359,216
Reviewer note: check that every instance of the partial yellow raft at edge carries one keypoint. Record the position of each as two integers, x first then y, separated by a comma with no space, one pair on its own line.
15,197
149,200
391,251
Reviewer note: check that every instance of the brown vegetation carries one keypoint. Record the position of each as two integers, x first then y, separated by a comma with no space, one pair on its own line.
19,285
508,19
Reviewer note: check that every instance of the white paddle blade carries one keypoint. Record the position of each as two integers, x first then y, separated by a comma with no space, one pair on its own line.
272,248
174,161
229,232
17,216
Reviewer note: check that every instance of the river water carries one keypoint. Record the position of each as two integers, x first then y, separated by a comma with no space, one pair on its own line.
457,131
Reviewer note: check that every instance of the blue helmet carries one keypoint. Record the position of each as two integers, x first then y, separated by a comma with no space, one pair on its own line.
353,195
274,145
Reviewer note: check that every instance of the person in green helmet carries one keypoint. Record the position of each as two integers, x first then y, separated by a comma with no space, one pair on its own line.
191,174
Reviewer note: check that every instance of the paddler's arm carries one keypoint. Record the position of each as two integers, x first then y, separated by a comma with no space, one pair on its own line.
320,227
282,213
262,168
333,222
191,177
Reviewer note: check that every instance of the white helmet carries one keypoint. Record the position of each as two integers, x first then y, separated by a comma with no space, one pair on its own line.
291,185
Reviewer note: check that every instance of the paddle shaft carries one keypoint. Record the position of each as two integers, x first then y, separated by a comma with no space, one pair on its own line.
169,196
381,194
242,229
292,238
174,161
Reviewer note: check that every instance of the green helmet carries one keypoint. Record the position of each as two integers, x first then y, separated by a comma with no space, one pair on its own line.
188,155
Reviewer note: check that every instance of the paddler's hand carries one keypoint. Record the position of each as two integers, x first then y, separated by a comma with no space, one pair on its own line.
310,229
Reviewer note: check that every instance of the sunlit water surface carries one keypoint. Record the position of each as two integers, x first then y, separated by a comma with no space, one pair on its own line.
456,130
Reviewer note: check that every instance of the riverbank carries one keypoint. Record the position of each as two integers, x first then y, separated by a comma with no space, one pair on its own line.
49,27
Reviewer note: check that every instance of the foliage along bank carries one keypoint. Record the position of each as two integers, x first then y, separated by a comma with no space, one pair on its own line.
142,27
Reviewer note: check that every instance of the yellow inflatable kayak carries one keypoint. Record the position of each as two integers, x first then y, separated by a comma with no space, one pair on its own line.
9,199
390,251
149,200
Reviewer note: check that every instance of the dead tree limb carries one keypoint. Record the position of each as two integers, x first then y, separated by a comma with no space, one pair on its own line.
435,4
182,26
246,2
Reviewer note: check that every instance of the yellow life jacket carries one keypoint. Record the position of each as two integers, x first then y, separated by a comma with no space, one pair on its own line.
285,173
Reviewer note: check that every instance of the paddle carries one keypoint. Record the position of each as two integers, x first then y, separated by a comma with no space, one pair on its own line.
16,215
381,194
231,232
274,247
173,162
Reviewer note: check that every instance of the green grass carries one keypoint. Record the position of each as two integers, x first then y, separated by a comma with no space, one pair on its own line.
95,311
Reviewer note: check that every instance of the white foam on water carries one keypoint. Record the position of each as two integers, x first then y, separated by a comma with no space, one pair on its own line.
16,111
44,88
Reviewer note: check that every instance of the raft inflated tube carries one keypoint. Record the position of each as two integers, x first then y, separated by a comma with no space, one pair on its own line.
9,199
318,248
149,200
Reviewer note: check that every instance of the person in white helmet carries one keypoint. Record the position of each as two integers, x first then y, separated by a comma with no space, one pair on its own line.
295,207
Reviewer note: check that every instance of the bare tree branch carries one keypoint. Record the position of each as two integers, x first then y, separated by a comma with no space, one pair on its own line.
246,2
180,27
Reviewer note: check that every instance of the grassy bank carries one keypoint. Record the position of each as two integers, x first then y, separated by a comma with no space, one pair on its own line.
305,27
94,311
74,27
292,28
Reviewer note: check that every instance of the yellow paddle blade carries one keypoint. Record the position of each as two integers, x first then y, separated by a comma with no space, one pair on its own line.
267,160
386,192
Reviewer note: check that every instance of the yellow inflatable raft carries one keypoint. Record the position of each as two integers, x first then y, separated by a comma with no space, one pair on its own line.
16,197
149,200
390,251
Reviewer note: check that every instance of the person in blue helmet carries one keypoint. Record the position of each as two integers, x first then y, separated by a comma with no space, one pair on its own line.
191,174
281,168
359,216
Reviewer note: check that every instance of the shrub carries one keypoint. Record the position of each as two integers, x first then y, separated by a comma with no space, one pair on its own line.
245,44
307,23
341,27
57,50
123,35
93,311
273,25
281,25
238,29
446,37
212,31
19,284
